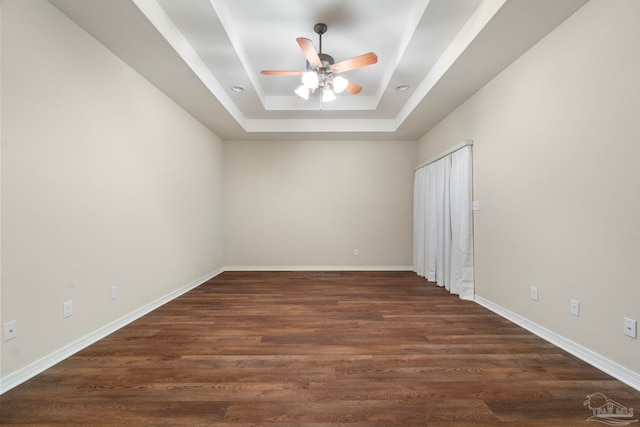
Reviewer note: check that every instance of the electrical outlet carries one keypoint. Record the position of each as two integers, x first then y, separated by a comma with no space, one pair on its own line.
67,309
630,328
574,307
356,252
10,330
114,292
534,293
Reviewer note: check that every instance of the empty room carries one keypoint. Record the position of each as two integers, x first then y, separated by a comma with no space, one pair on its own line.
319,212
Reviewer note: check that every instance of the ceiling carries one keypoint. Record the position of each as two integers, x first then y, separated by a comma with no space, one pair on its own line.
196,51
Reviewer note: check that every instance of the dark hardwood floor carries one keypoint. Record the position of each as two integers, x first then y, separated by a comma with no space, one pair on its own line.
312,349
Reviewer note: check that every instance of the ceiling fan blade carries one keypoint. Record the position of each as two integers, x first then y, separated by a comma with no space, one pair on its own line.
280,73
356,62
353,88
309,51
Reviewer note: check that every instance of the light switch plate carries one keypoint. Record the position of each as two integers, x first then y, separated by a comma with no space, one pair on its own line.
67,309
534,293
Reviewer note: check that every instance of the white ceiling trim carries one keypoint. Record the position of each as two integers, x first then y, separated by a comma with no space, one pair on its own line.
230,29
167,43
156,15
284,103
359,103
152,10
478,21
293,103
411,27
327,125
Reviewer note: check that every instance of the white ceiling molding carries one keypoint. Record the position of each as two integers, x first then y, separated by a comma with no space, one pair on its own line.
478,21
197,50
165,26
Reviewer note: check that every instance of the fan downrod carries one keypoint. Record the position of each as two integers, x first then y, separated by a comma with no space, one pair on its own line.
320,29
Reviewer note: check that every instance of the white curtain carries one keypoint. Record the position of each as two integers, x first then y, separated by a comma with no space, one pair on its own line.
443,223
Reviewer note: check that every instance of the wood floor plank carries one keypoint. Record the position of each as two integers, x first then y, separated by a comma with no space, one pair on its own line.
309,349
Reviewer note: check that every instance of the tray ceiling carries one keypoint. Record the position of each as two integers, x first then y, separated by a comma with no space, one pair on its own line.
196,51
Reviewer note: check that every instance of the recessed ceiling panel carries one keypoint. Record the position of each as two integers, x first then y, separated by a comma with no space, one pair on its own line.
198,51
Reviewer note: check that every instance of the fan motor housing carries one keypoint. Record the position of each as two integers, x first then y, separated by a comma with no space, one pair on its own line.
327,60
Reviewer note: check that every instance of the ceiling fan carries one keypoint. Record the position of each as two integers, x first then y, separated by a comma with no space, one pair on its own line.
321,72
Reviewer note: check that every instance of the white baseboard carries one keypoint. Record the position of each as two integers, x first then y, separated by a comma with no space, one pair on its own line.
319,268
617,371
16,378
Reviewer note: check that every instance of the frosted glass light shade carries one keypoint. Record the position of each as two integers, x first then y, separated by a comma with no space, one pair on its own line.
328,95
310,79
339,84
302,92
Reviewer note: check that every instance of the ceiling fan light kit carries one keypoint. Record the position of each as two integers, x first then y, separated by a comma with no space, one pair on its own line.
321,70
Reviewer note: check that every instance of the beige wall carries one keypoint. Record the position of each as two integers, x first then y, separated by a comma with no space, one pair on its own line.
556,154
105,181
311,203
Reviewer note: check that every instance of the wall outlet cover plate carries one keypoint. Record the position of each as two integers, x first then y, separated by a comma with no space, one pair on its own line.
10,330
630,328
574,308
